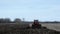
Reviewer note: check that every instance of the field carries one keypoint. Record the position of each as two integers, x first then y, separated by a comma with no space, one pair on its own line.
15,28
54,26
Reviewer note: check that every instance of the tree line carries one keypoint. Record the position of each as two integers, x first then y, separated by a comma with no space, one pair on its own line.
17,20
7,20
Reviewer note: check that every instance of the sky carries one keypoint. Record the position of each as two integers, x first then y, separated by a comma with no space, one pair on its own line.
43,10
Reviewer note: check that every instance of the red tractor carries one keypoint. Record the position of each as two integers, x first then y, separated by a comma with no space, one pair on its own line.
36,25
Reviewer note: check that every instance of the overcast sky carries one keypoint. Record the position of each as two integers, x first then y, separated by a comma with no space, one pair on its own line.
43,10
